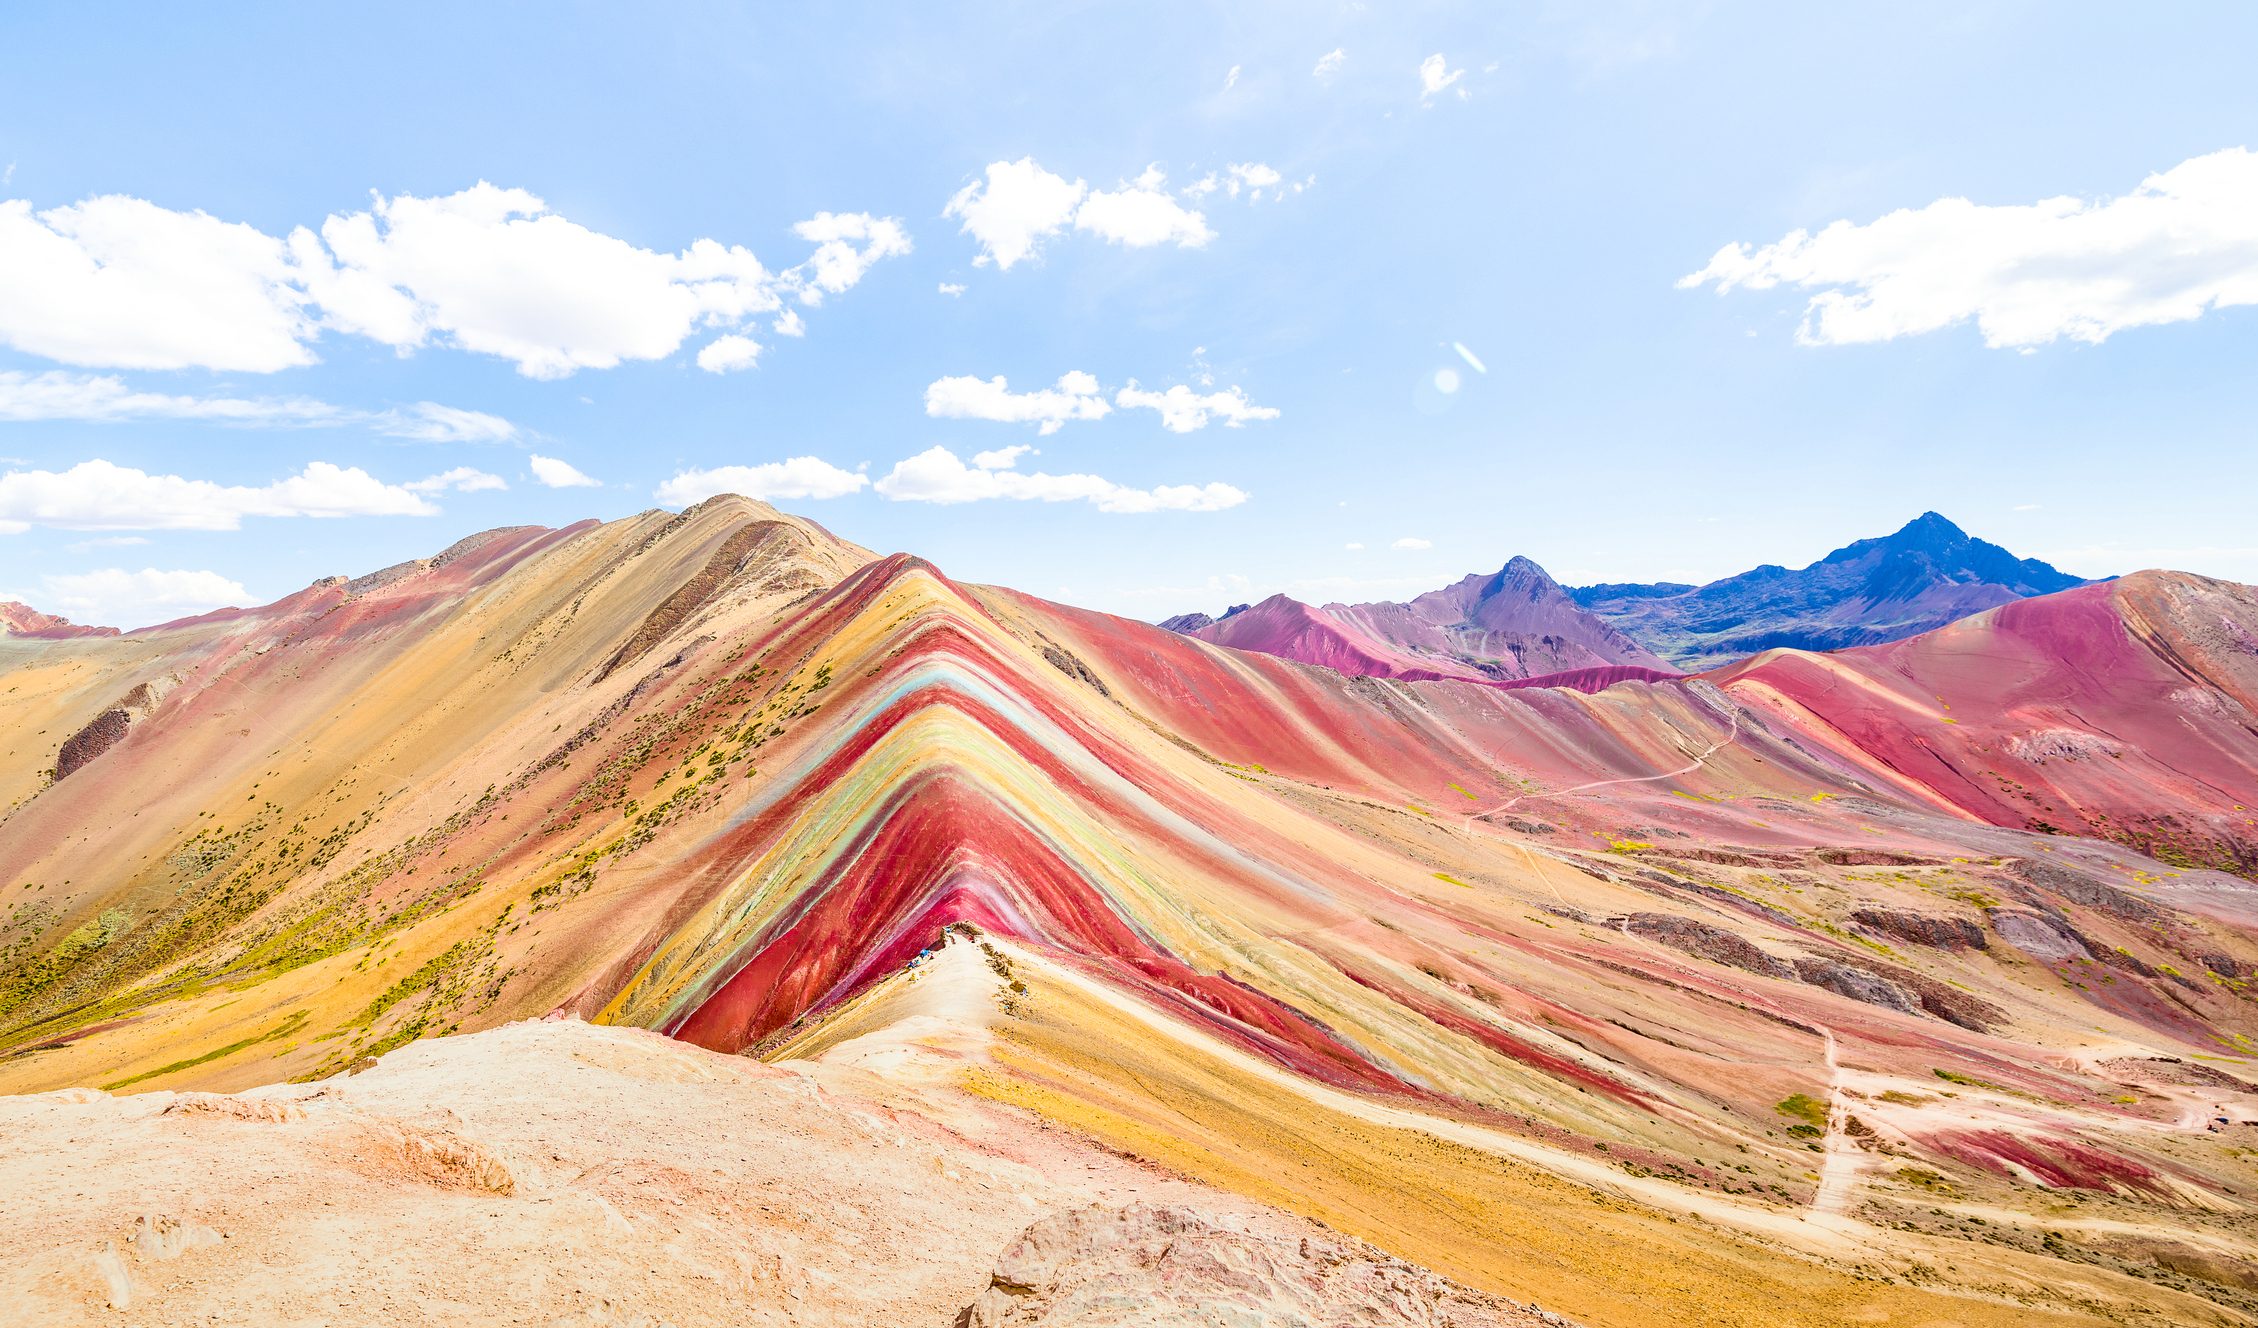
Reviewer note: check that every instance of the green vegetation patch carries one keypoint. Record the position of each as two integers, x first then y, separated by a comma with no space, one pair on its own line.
1802,1107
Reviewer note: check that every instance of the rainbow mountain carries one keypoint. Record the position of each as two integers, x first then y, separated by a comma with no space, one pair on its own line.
1902,984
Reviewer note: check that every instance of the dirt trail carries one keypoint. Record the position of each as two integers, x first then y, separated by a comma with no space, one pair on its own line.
1839,1165
1732,735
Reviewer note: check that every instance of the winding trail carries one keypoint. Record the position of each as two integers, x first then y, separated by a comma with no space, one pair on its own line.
1838,1167
1732,735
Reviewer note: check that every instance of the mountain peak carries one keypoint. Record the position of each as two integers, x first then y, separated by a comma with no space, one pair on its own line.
1929,530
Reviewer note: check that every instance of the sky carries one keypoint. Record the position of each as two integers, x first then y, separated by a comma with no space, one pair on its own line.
1149,308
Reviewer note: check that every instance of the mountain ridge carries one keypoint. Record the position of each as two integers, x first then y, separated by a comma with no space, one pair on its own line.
725,776
1927,573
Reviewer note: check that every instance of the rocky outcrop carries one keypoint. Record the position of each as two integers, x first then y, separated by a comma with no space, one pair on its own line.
105,730
1895,988
1170,1267
1704,941
1939,933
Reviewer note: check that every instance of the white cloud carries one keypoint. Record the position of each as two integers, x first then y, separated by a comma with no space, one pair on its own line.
1016,205
559,474
60,395
105,399
430,422
1353,547
1412,542
798,477
1182,410
1002,458
1013,207
1141,213
789,324
2184,242
116,597
120,282
837,264
98,495
1330,63
2026,507
1076,396
1231,80
936,475
462,479
952,288
729,354
1252,178
1436,75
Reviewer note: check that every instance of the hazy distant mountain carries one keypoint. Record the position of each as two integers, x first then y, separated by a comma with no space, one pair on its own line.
19,619
1927,574
1503,626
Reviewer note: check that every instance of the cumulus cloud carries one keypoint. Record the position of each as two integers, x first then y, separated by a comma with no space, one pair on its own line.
121,282
118,282
1182,410
1330,63
952,288
1016,205
462,479
1011,208
729,354
797,477
848,244
560,474
1002,458
116,597
1141,214
1436,76
937,475
99,495
789,324
2183,243
1412,542
1076,396
105,399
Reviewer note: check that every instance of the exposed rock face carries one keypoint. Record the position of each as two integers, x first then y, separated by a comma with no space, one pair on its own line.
1187,623
2038,936
1895,988
1166,1267
1927,574
2083,887
1856,983
105,730
1923,928
1706,942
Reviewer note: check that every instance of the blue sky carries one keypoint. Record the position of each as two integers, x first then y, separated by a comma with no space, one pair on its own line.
722,237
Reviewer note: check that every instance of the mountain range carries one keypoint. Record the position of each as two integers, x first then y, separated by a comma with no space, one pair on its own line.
1928,573
1903,984
1520,624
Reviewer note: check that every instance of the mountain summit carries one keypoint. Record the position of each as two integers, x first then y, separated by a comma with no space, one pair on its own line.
1928,573
1028,888
1505,626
